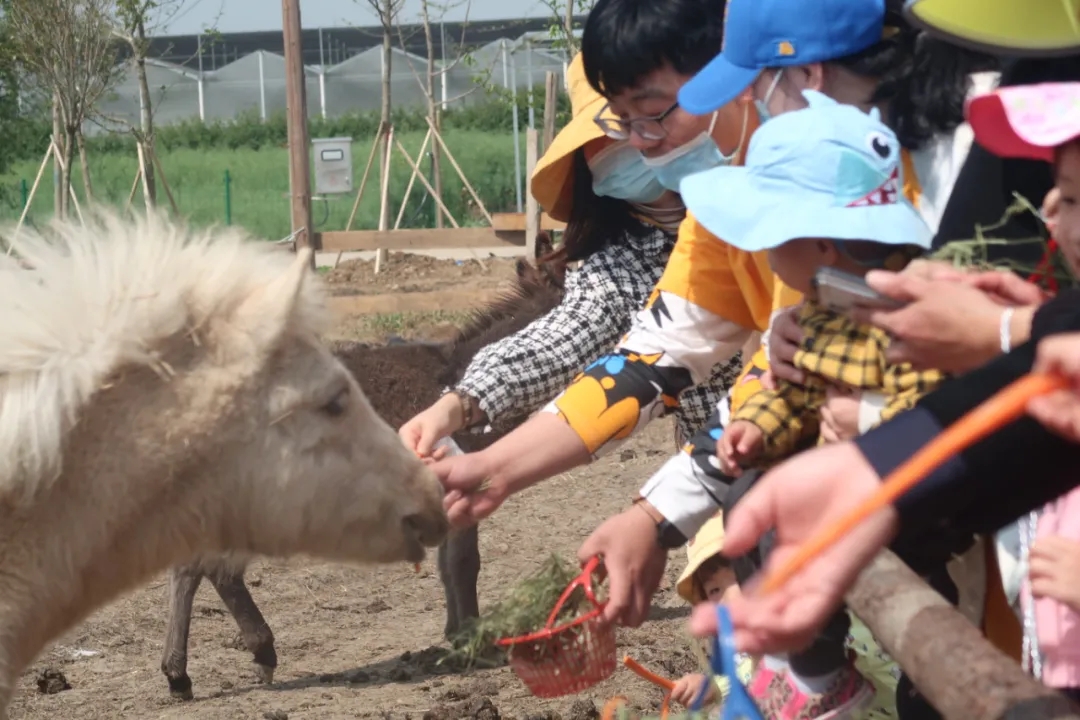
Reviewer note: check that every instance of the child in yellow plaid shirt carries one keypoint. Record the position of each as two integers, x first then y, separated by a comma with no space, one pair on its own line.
773,424
820,188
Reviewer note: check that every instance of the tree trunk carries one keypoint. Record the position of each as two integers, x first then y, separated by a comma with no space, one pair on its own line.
433,113
58,141
84,164
69,162
571,43
146,116
384,124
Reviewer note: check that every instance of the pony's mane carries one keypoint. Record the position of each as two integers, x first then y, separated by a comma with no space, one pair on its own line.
533,294
101,297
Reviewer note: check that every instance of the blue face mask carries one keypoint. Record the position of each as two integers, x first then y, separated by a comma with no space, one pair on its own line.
762,106
698,155
619,172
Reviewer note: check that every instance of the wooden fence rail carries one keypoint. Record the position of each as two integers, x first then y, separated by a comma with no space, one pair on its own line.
948,659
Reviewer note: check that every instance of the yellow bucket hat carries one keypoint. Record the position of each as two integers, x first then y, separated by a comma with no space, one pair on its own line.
1035,27
708,542
552,181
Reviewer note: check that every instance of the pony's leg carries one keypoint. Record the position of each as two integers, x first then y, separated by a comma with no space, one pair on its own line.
183,582
453,622
257,635
459,569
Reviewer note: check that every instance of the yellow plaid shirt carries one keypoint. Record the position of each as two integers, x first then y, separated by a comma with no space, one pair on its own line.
835,351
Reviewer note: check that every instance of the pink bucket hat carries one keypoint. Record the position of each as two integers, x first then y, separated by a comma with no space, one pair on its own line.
1026,121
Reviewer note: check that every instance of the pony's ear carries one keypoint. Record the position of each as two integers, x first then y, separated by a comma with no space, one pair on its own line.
266,314
544,244
523,269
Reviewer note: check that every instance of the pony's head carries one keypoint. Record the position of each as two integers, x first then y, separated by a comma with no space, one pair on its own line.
148,361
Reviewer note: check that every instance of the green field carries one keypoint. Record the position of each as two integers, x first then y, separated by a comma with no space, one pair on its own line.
260,184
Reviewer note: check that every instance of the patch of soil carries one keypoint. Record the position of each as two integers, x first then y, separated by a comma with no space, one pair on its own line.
404,272
340,659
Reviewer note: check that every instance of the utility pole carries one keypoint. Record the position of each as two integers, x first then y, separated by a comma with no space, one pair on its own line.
296,108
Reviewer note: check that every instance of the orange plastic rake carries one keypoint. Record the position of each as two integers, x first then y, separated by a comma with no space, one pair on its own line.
661,682
999,410
643,672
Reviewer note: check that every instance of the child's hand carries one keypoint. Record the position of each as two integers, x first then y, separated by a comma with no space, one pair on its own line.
687,688
741,442
1054,570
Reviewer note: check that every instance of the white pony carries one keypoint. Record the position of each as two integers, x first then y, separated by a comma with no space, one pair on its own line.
163,394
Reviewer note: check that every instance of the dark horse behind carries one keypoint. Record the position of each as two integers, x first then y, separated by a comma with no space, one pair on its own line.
400,380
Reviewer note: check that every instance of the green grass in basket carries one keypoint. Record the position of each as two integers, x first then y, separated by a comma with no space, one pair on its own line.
523,610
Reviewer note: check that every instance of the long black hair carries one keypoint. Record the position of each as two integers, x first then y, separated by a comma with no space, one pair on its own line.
596,221
923,79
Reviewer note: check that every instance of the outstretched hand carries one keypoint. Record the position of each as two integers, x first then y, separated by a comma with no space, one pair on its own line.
471,494
633,560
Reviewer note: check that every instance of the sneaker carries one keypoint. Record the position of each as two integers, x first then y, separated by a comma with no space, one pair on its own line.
847,695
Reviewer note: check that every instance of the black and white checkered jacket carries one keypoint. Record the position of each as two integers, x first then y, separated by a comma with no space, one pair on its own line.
524,371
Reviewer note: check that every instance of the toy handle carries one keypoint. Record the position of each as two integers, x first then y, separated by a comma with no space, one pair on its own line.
583,580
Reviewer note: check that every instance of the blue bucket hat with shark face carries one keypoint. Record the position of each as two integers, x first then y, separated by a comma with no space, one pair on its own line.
828,171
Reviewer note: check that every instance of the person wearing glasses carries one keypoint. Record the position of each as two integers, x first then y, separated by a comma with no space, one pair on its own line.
613,179
710,302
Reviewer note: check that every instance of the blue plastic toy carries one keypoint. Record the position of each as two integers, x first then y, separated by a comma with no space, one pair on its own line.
738,705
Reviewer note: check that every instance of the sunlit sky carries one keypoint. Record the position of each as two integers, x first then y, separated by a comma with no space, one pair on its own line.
237,16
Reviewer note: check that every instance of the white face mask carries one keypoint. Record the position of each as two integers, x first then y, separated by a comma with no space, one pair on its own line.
698,155
619,172
764,115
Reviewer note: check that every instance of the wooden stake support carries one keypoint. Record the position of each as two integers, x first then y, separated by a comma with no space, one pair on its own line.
134,189
30,198
551,104
164,182
427,185
384,198
412,178
532,207
363,182
461,174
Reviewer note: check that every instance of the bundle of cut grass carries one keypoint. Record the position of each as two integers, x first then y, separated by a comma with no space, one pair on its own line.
977,252
524,610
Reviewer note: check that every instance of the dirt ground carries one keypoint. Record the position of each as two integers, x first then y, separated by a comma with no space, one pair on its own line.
413,273
363,642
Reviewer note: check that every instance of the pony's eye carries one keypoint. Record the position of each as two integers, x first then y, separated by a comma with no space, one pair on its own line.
336,407
879,144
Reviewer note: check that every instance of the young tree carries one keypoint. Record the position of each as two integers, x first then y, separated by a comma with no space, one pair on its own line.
68,46
432,77
562,28
387,11
135,21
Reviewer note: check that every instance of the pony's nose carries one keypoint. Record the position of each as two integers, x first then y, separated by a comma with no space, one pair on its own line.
430,528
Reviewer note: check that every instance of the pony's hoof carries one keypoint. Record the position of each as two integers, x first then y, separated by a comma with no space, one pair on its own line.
180,688
263,674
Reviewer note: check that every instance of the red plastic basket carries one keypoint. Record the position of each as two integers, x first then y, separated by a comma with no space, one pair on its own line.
557,661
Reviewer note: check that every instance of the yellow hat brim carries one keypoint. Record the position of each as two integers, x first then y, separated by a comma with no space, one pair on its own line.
1035,27
552,182
708,543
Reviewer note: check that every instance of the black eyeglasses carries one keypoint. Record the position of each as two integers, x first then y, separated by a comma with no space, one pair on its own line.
649,128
